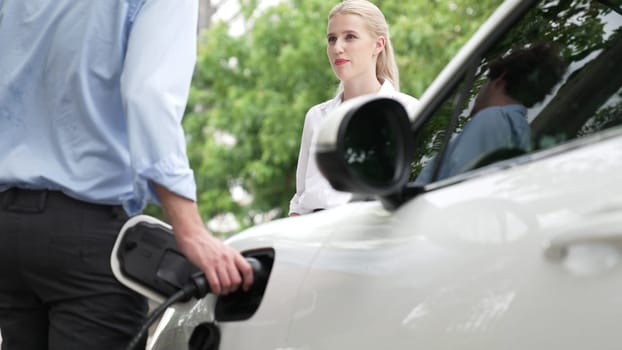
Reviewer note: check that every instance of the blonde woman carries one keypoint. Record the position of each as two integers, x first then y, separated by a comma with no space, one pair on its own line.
359,50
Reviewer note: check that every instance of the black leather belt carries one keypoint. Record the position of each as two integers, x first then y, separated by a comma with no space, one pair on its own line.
36,201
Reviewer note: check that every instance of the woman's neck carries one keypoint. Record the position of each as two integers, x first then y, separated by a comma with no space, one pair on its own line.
357,88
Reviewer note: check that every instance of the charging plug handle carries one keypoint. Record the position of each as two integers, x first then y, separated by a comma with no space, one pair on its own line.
198,287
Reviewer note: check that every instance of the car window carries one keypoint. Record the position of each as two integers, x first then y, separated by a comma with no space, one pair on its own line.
552,78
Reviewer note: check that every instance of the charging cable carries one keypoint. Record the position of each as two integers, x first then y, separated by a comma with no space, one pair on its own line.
197,287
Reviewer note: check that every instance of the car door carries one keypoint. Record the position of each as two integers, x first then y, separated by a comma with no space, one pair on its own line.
520,251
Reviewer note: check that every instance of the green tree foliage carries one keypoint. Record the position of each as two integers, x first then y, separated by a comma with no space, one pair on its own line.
257,87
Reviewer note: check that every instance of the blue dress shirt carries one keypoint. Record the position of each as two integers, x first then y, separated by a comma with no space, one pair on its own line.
92,93
490,129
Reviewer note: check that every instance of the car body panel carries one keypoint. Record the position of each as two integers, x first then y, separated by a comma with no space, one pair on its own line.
464,266
296,242
429,280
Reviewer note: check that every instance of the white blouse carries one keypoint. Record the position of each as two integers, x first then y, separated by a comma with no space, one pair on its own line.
312,190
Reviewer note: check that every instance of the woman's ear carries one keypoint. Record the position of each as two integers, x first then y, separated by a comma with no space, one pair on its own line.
380,42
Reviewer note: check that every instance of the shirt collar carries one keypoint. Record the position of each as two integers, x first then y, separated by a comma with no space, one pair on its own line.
386,89
334,103
516,108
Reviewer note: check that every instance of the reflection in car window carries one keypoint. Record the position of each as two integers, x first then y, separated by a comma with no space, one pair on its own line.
576,96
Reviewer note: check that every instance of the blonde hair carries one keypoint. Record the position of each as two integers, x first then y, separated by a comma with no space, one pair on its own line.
386,68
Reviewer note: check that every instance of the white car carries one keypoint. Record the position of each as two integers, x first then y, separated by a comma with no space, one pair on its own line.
521,251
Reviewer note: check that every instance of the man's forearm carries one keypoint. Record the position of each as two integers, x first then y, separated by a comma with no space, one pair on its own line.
182,213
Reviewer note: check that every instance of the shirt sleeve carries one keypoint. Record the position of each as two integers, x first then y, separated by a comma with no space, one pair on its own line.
155,83
301,168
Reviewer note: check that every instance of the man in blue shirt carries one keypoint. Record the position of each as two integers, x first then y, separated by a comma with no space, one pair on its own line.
498,121
92,94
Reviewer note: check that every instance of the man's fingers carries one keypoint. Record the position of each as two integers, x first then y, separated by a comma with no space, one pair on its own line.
226,271
245,270
214,281
225,280
234,276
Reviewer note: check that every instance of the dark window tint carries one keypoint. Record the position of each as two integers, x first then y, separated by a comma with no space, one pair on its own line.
554,77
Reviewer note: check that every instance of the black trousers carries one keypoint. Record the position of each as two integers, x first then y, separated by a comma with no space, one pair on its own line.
57,290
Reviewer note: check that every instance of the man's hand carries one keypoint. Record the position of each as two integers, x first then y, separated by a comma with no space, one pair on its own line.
224,267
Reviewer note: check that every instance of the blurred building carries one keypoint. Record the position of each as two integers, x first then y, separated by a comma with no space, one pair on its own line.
206,10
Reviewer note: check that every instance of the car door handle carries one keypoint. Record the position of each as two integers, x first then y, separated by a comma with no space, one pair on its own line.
601,233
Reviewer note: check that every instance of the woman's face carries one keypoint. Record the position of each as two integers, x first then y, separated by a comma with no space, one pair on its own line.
351,48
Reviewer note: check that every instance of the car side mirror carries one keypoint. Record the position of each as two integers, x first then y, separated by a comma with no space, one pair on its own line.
365,146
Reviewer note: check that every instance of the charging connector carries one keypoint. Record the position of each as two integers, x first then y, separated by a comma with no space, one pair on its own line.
146,258
197,287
